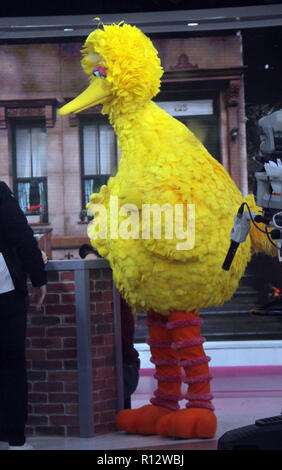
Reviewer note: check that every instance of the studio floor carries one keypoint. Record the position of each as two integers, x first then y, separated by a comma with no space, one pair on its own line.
232,412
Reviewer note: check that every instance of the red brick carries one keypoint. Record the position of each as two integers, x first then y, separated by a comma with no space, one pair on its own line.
107,394
48,387
60,309
46,365
63,397
111,404
64,420
34,375
108,317
103,307
35,332
52,299
44,320
68,298
104,351
60,287
69,342
100,406
64,375
103,285
107,295
49,409
38,354
107,416
97,339
103,372
62,331
99,384
69,319
36,419
109,339
96,319
104,329
71,386
98,362
67,276
37,397
70,364
96,296
61,354
46,342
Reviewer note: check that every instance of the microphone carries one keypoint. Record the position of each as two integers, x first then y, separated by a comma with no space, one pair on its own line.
238,235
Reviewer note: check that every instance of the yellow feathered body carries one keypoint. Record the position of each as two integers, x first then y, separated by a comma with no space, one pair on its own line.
162,162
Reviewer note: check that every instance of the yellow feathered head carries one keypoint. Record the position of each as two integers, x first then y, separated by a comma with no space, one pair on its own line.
123,62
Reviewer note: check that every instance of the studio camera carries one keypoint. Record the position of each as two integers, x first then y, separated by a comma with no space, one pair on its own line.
267,190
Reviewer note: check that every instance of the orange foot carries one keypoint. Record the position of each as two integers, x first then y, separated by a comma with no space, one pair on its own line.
141,420
188,424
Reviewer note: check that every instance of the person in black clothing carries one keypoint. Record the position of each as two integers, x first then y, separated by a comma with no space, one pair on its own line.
130,356
20,258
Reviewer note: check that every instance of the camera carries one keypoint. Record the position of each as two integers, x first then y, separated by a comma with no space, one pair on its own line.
267,190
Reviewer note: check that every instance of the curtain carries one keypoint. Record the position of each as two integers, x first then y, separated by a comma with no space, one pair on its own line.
90,150
99,149
31,158
107,149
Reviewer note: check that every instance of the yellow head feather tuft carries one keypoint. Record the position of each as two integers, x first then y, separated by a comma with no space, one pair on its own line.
133,66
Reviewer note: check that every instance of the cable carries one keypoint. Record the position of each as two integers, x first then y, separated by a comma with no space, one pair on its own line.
266,232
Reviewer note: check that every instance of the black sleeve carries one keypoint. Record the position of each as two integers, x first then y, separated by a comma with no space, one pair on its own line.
18,235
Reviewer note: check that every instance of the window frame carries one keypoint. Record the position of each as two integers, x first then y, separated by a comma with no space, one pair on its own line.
24,123
95,120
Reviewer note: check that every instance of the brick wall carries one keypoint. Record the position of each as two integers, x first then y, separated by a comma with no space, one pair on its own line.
52,357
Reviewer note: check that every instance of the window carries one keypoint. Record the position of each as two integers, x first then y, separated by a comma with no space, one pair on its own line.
99,157
200,117
30,169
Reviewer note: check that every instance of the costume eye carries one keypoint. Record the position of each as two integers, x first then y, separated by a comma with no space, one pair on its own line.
100,71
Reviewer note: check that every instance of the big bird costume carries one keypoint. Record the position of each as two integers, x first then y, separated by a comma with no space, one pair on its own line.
162,163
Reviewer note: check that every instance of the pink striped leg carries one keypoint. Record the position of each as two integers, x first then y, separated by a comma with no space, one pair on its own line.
168,371
198,419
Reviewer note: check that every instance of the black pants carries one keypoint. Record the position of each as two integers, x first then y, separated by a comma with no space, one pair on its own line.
13,381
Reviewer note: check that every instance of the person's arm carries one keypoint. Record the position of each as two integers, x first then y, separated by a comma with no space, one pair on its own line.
38,296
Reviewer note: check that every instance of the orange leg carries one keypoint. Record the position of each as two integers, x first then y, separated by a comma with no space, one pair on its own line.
168,374
198,419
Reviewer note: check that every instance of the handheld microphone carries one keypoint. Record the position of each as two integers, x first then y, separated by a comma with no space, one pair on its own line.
238,235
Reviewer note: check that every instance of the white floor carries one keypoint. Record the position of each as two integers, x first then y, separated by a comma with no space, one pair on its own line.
231,412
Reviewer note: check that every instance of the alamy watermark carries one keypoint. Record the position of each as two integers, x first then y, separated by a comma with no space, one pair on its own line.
151,222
